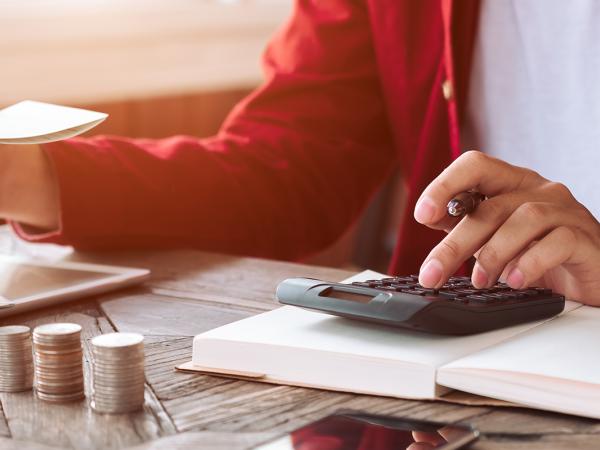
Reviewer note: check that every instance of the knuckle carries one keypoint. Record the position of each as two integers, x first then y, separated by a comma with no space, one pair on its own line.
531,211
530,178
492,209
474,157
566,235
450,248
530,263
444,185
489,257
558,189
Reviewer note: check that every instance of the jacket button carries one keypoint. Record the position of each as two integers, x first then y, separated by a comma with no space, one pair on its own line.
448,90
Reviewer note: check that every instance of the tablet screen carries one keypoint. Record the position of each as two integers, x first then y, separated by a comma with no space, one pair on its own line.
20,280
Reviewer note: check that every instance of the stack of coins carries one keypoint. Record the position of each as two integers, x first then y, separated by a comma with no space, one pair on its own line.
58,362
16,361
118,373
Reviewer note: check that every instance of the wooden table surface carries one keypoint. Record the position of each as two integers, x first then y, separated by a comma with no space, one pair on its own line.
191,292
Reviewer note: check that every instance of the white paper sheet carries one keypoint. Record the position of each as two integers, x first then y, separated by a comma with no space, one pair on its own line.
30,122
286,342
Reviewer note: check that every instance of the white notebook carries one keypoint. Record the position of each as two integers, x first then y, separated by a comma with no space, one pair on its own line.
30,122
552,364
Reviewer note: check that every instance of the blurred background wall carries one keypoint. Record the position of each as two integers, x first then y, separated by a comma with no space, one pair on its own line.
161,67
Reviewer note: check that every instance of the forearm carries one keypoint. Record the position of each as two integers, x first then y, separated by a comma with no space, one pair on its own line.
28,187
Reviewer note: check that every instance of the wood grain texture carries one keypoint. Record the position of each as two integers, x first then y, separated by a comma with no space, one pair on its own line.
191,292
75,425
4,431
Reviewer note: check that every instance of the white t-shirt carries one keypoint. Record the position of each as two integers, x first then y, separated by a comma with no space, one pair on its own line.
534,95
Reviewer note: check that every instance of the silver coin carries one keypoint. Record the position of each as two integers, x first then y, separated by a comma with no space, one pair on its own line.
116,370
57,329
15,346
16,374
117,340
16,353
58,376
108,388
53,349
118,405
58,360
16,388
60,398
99,408
116,401
119,379
21,361
62,360
14,330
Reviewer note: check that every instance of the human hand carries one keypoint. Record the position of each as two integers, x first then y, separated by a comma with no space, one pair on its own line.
28,186
430,440
530,231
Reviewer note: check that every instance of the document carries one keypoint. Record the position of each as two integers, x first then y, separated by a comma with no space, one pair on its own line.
551,364
30,122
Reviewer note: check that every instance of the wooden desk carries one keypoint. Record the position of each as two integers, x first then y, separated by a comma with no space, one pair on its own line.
191,292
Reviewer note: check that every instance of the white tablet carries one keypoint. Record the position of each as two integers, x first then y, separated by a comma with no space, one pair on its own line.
27,284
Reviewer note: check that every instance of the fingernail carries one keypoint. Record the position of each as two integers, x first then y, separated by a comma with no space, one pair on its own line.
431,273
515,279
479,277
425,210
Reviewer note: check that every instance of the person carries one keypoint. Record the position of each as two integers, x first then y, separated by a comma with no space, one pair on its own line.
355,90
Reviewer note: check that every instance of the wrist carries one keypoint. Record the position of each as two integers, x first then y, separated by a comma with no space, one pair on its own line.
28,187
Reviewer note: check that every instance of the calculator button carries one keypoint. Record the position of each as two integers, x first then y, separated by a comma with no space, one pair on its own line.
413,291
530,293
495,297
451,294
396,287
476,298
429,291
467,291
387,288
404,280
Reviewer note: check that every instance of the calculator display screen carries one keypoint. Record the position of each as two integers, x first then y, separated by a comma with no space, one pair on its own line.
350,296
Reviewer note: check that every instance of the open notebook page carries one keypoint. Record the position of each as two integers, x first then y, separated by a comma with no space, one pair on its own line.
297,346
30,122
555,366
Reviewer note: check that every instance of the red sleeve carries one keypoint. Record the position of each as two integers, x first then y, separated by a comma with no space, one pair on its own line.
290,169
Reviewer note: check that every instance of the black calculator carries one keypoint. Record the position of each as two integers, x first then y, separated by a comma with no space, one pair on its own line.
457,308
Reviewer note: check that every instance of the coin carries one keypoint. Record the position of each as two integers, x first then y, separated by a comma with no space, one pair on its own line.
118,373
58,359
16,360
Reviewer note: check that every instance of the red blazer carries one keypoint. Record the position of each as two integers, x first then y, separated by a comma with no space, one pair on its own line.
353,90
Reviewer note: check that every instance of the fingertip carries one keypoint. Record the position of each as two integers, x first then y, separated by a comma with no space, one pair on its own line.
515,279
479,277
431,273
425,210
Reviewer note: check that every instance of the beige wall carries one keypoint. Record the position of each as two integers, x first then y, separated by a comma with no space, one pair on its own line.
74,51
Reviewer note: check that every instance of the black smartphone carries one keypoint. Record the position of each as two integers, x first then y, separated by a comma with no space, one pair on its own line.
361,431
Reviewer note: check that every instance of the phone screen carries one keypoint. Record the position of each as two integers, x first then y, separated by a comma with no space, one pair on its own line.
370,432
